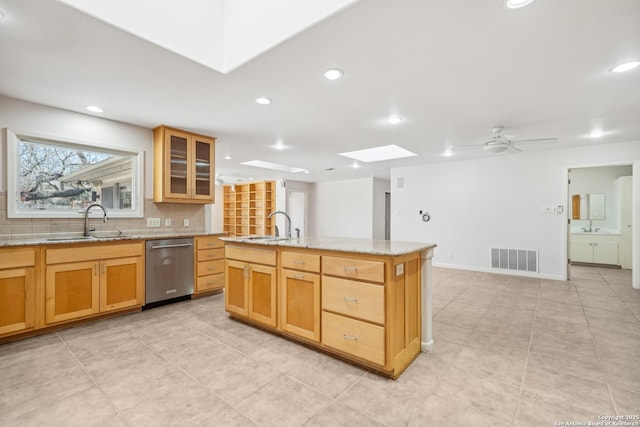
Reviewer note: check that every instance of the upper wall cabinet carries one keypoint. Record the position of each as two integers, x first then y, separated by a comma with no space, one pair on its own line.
183,166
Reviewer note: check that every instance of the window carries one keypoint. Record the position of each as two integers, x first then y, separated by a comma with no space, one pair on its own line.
50,178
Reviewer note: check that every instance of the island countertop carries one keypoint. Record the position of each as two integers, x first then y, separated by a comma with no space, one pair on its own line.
340,244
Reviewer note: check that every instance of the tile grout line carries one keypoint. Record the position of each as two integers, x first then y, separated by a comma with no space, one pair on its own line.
526,361
95,384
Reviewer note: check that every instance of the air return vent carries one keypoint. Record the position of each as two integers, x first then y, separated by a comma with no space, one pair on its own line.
514,259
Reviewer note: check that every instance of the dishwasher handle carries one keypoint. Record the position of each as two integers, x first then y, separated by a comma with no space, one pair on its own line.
179,245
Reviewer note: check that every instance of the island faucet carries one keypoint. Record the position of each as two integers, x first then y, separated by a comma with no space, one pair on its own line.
288,223
86,217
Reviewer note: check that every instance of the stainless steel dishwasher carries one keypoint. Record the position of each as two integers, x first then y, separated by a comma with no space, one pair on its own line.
169,269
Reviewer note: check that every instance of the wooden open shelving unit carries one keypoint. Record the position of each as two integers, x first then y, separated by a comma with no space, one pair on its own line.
246,209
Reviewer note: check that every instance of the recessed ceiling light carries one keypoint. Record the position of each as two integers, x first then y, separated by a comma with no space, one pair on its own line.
94,109
376,154
333,73
394,120
448,152
516,4
279,146
227,157
1,14
355,165
596,133
273,166
625,67
263,101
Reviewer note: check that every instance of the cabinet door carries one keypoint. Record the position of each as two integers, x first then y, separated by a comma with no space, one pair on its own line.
581,252
236,291
17,301
178,171
121,283
262,294
605,253
72,291
300,303
204,161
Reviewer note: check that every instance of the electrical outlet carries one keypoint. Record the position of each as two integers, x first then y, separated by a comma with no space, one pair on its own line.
167,222
185,222
153,222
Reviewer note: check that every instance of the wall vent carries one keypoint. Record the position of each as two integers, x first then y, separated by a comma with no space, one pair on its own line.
514,259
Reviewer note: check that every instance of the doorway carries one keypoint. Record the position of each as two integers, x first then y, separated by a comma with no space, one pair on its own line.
387,215
297,207
600,217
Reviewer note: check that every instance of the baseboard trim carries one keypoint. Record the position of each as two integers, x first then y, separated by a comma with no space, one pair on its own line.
501,271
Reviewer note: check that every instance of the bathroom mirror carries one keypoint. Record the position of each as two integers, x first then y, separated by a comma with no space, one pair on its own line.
588,206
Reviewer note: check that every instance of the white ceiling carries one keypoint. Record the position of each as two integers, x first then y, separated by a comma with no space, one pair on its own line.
452,69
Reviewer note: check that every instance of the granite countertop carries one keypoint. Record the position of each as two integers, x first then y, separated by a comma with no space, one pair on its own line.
340,244
57,239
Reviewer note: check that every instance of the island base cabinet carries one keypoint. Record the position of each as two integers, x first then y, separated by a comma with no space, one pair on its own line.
300,303
17,293
250,291
360,339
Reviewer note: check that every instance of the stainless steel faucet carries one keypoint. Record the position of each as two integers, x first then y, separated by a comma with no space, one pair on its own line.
288,223
86,217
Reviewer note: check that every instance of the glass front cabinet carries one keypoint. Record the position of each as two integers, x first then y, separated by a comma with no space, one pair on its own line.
183,166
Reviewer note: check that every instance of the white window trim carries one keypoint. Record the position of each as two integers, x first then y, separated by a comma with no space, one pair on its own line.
13,140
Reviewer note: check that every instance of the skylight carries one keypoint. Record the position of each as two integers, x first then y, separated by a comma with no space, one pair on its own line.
273,166
378,154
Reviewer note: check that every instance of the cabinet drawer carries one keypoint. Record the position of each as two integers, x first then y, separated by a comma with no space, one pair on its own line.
209,254
17,258
352,336
207,283
90,253
209,242
353,268
206,268
258,256
300,261
356,299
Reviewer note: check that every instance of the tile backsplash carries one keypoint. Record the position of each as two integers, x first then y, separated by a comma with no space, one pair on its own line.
35,227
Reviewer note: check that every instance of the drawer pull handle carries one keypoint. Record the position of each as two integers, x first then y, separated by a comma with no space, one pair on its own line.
349,337
298,276
350,299
210,268
298,261
211,243
348,269
209,283
211,255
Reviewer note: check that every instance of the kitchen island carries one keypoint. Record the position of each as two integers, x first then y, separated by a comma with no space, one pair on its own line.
365,301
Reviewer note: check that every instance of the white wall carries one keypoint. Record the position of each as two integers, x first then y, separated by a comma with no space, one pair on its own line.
28,118
351,208
343,209
496,202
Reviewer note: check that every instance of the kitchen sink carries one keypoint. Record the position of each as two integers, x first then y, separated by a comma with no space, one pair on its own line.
267,238
85,238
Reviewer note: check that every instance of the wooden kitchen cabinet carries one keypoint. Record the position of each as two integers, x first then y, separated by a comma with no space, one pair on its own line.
300,294
209,264
365,308
82,281
17,290
183,166
250,283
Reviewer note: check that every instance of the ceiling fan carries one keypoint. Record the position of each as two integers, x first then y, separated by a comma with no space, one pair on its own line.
499,142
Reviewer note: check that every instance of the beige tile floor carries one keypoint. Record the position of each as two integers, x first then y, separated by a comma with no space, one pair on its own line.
509,351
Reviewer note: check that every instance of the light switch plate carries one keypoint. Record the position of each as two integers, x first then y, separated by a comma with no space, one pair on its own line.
153,222
186,222
167,222
399,269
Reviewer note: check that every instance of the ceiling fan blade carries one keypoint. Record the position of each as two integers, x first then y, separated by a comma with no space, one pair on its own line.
513,147
536,140
467,145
